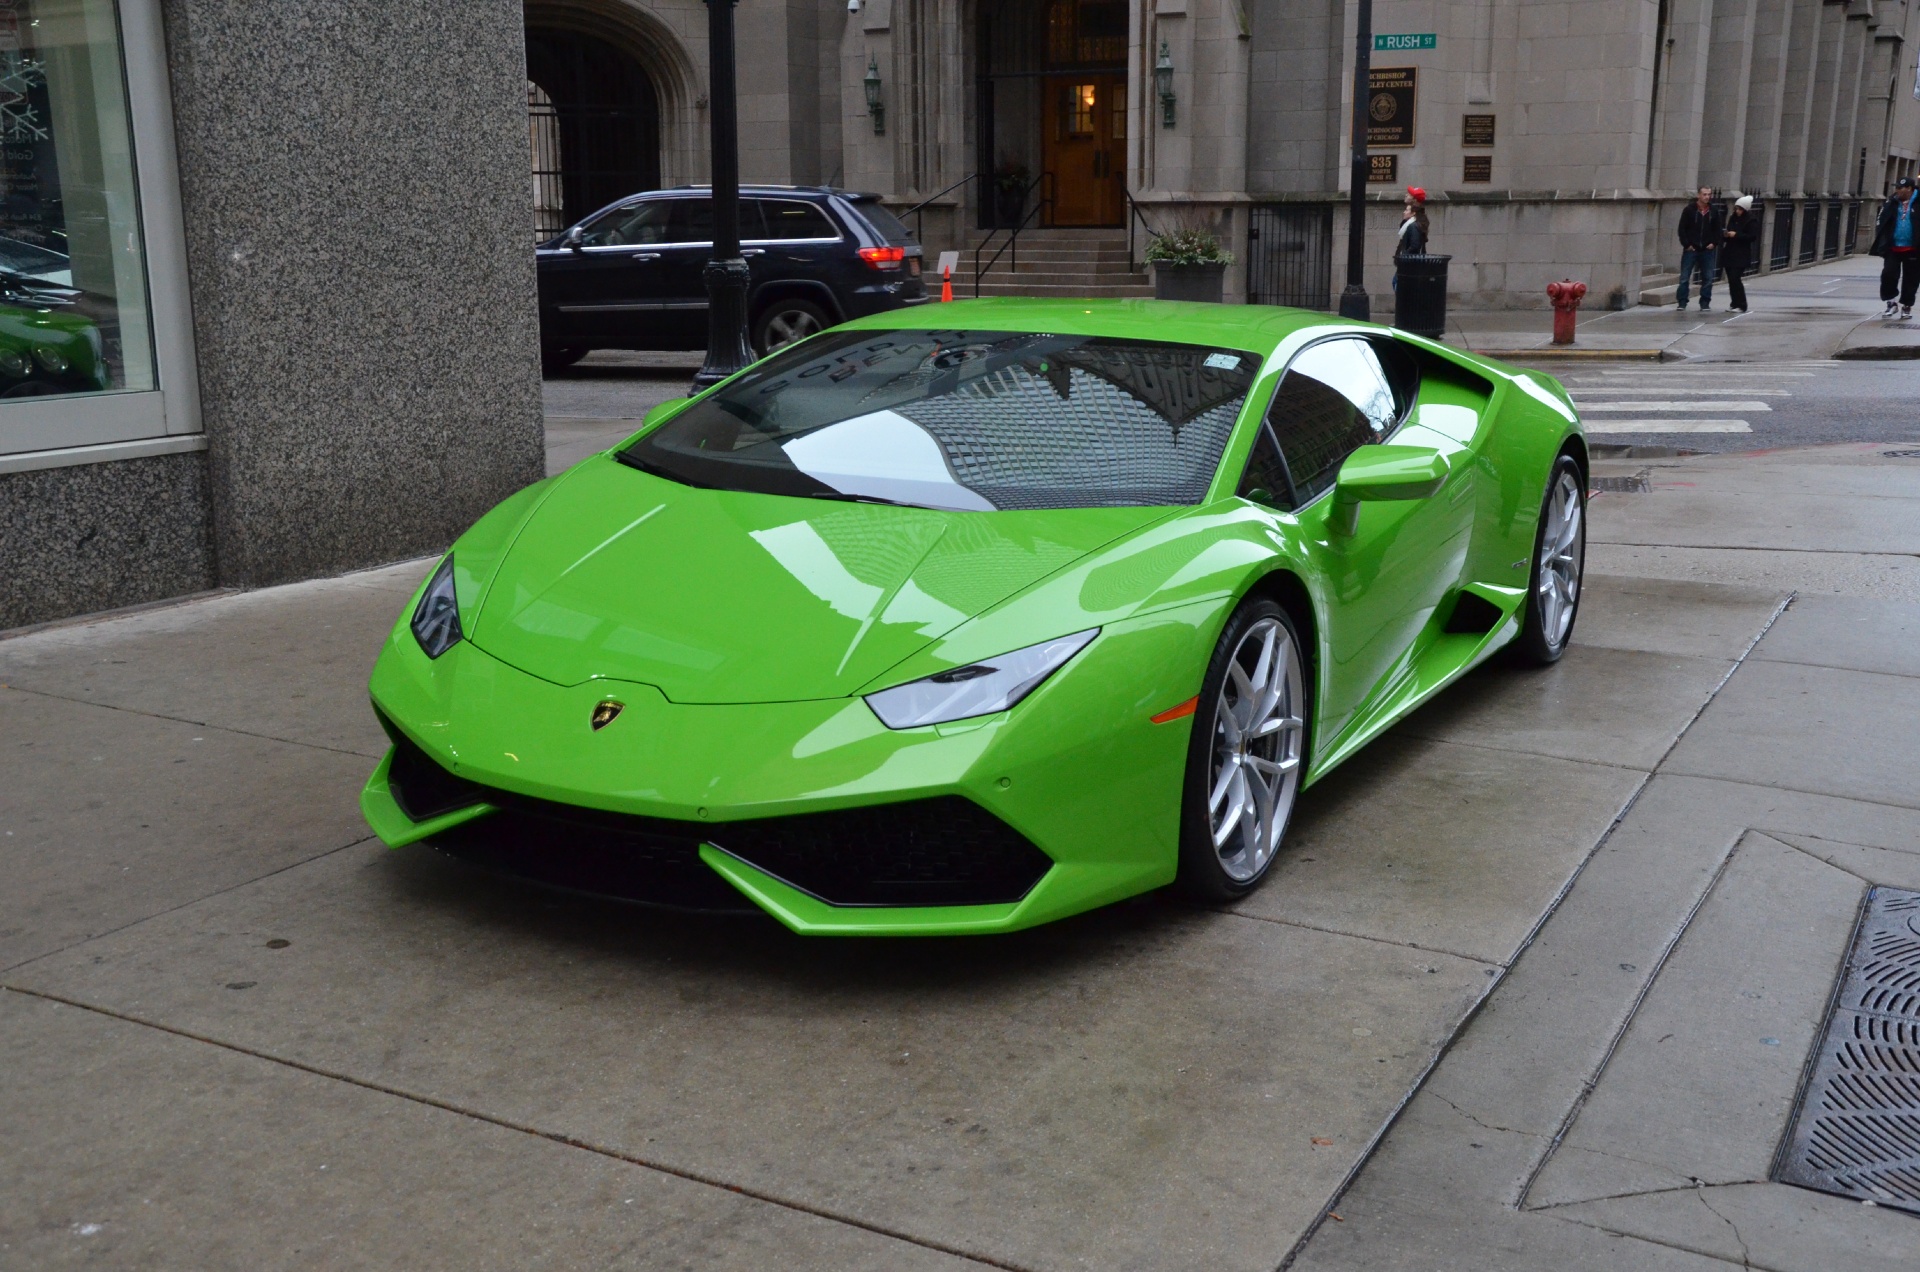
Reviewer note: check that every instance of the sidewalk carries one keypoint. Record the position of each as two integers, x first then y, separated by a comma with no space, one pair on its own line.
1506,998
1817,312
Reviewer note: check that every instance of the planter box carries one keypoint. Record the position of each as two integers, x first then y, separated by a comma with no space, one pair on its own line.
1189,282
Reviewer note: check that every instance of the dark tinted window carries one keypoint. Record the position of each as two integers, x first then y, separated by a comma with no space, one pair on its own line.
635,223
1334,399
884,223
692,221
792,219
971,420
1266,480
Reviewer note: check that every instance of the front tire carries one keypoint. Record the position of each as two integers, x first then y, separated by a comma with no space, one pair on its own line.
1559,569
555,360
1247,755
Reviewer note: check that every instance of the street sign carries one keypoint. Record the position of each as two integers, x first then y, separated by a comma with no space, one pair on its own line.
1389,106
1403,43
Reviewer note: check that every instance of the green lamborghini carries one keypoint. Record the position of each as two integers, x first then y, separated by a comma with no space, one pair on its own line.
963,628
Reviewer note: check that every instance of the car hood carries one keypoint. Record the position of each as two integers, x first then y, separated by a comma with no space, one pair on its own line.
719,596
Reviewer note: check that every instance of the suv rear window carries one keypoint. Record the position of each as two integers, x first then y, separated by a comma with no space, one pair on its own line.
964,420
884,223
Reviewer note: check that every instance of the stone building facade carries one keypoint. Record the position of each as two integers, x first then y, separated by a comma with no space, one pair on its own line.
1556,137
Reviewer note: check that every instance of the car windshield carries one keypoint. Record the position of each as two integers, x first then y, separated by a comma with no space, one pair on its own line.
964,420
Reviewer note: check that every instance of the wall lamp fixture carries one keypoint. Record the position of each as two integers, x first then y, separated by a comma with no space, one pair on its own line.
1163,84
875,106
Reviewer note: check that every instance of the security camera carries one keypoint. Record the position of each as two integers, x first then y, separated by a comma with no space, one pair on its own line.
853,6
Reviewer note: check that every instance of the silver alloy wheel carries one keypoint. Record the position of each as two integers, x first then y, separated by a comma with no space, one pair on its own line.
1563,542
1257,740
789,325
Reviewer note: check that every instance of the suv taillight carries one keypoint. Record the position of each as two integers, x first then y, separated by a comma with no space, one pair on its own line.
883,257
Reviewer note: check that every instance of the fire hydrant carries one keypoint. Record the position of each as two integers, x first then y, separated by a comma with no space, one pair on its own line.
1565,296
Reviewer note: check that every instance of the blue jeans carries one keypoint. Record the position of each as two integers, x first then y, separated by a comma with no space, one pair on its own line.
1706,259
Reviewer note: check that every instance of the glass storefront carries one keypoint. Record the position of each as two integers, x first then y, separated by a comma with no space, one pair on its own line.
74,311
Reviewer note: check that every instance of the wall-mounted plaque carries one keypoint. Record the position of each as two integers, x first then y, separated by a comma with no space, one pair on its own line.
1383,169
1479,169
1476,130
1390,106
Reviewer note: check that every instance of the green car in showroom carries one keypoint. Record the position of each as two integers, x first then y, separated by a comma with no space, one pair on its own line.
911,629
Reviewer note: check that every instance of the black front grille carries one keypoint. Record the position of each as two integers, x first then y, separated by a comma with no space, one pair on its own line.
942,851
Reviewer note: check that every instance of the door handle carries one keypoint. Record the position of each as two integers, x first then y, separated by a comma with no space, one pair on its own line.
646,256
753,251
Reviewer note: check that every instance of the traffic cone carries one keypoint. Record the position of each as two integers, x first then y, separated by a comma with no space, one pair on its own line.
946,284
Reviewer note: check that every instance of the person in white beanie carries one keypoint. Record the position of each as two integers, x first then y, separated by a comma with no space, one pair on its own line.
1736,258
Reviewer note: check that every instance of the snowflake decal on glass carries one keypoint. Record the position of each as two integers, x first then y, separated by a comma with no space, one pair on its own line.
19,76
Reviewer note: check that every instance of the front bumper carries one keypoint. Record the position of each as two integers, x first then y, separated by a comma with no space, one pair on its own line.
1077,773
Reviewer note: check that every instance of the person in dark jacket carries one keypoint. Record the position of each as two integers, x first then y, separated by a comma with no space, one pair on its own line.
1736,258
1895,237
1702,229
1413,224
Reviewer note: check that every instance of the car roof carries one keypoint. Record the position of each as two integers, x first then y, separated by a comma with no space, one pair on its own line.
1254,328
817,191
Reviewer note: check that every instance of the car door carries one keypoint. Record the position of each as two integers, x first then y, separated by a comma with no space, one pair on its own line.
801,242
602,289
1404,557
682,309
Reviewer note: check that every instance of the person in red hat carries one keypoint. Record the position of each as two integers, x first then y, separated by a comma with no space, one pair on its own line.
1413,224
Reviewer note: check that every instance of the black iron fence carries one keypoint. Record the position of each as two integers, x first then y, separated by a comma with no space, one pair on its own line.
1290,255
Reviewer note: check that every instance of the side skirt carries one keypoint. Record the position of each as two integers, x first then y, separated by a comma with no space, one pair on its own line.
1447,657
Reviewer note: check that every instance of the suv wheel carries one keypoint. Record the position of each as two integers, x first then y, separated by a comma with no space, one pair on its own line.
786,321
553,361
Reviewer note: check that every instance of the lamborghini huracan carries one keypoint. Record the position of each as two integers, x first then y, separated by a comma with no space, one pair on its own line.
965,625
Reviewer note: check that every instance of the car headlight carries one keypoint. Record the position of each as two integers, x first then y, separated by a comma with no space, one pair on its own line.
15,363
979,689
52,359
436,619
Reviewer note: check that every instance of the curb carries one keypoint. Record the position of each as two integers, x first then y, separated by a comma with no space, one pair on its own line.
1563,354
1878,353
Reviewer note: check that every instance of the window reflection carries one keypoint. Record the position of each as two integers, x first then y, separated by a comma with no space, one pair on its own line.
73,288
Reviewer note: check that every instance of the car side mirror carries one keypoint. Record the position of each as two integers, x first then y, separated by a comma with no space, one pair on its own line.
574,238
1383,472
660,412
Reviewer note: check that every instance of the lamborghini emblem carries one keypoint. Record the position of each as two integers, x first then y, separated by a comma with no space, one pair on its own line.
604,713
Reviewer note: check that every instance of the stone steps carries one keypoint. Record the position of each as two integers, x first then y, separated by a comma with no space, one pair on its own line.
1062,263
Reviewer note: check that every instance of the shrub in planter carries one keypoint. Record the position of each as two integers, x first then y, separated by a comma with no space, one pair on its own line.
1189,264
1010,183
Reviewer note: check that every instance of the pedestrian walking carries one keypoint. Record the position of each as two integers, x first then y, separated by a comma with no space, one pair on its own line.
1736,258
1894,239
1413,224
1702,230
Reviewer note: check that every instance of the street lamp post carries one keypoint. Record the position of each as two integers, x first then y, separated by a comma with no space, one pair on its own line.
1353,301
726,272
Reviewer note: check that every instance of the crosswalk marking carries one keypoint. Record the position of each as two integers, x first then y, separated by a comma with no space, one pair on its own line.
1676,406
1668,426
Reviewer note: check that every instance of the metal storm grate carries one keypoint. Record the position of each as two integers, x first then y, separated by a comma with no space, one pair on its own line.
1638,484
1857,1130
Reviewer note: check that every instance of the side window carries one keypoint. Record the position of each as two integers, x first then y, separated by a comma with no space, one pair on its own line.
635,223
1266,480
792,219
1334,399
692,221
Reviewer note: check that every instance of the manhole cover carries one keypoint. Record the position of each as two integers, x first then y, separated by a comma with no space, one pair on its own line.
1857,1129
1638,484
1901,454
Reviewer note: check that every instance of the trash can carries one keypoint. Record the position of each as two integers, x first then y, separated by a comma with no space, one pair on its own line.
1420,294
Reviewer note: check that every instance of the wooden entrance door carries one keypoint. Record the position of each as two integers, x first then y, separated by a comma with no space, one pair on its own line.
1086,148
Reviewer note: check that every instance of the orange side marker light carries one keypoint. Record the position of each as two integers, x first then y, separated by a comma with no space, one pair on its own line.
1180,712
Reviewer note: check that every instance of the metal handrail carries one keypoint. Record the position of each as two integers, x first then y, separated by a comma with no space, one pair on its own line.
919,228
1013,238
1135,214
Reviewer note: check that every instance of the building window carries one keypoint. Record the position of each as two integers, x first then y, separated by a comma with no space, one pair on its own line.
96,329
73,273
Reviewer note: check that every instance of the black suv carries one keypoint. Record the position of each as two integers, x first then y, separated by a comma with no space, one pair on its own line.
630,276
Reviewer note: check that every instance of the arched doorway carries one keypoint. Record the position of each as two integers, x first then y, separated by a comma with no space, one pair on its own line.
594,122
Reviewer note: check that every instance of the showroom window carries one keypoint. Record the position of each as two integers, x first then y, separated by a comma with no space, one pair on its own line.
81,361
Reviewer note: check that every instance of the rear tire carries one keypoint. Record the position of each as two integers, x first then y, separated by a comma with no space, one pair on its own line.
1559,569
1247,755
786,322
